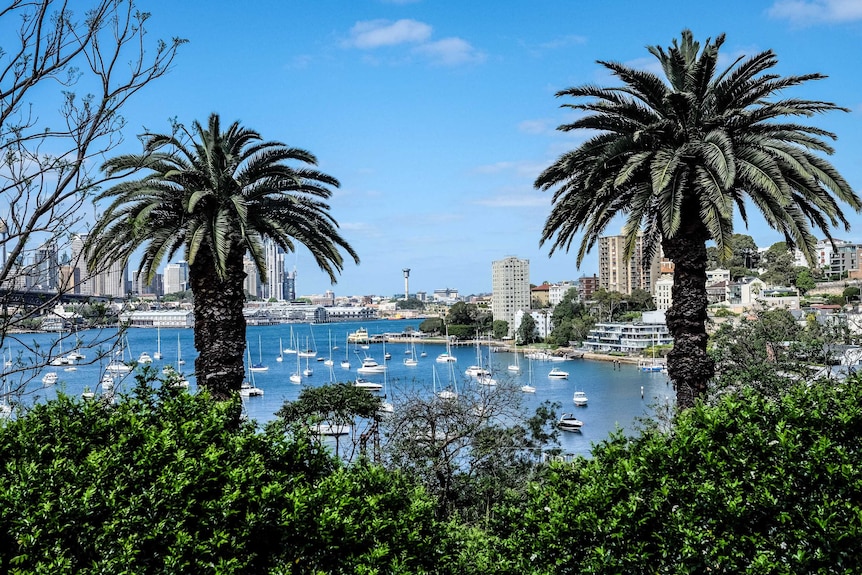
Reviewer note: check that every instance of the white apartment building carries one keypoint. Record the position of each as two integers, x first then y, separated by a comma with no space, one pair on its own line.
542,319
274,258
510,289
556,292
629,337
663,295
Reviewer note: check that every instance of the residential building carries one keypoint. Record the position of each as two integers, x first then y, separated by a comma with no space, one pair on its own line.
158,318
717,275
510,289
556,292
541,318
629,337
617,274
446,295
46,266
587,286
251,284
539,296
155,287
663,294
845,258
289,289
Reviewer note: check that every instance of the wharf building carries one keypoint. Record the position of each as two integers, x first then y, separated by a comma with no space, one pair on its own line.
510,290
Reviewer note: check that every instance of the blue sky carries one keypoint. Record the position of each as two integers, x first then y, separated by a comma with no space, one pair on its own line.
436,116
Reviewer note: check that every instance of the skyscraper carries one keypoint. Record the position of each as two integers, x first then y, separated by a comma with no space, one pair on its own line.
274,257
176,277
46,266
510,289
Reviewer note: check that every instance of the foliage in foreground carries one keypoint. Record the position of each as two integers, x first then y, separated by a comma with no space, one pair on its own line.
753,484
165,482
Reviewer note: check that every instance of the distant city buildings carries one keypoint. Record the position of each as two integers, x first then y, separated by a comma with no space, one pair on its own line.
510,290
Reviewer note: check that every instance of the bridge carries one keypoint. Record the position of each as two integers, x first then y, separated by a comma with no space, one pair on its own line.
36,298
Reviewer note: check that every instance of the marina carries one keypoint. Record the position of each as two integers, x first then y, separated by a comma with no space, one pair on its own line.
619,394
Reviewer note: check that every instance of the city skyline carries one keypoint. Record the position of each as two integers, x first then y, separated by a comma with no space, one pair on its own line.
436,119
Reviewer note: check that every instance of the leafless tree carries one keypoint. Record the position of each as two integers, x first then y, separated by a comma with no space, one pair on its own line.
66,73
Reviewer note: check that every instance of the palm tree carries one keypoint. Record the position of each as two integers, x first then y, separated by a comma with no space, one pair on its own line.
216,194
674,155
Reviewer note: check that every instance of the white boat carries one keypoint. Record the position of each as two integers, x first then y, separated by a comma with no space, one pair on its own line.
411,360
258,367
50,378
76,355
295,377
367,385
557,373
280,357
650,366
345,363
579,398
158,354
369,365
249,390
70,368
450,392
539,356
329,359
87,394
145,358
117,366
310,350
180,360
107,381
477,371
447,357
307,372
487,380
568,422
515,367
290,349
331,429
529,387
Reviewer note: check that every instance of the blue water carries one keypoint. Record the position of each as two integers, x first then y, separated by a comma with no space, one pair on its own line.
615,395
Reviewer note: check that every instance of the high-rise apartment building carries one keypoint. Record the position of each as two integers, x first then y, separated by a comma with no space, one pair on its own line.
617,274
176,277
46,266
110,281
251,284
510,289
290,285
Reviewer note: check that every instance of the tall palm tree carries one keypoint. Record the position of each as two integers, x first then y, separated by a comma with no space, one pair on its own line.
675,154
216,194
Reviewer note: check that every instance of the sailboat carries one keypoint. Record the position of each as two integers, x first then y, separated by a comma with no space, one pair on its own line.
295,377
248,388
329,359
386,406
258,367
529,388
410,360
309,351
650,366
345,363
307,372
180,360
280,357
515,367
447,357
448,393
290,349
158,354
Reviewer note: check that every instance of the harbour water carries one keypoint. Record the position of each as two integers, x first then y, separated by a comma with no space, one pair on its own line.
618,395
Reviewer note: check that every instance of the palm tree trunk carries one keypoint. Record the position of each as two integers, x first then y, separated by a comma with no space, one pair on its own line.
219,326
689,366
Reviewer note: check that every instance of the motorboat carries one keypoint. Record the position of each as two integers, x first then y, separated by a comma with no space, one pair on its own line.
579,398
87,394
557,373
568,422
367,385
369,365
145,358
446,357
249,390
50,378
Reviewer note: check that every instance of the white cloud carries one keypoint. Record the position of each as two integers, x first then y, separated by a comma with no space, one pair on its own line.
450,51
527,199
536,126
372,34
375,34
806,12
